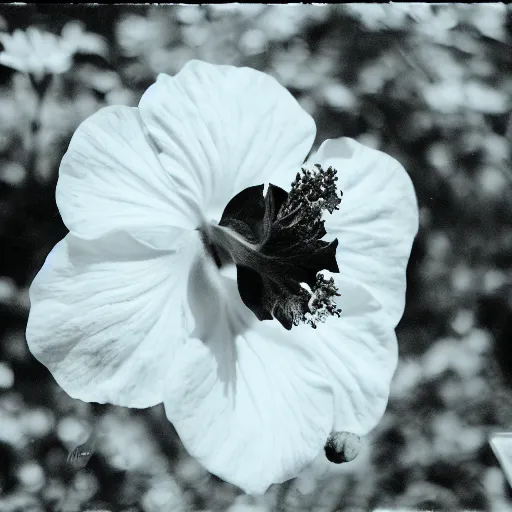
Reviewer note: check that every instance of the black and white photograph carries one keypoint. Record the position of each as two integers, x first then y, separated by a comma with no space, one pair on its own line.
256,257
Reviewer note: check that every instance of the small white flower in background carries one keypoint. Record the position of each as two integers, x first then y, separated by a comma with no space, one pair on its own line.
34,51
77,40
190,14
8,290
163,494
282,22
434,23
409,374
6,376
182,282
452,96
31,475
489,19
244,503
137,35
132,33
41,53
377,17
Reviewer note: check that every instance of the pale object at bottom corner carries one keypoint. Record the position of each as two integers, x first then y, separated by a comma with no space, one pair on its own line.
501,444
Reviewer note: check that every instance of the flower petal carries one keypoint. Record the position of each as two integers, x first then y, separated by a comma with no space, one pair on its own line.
377,220
106,316
227,128
375,225
359,354
248,401
111,180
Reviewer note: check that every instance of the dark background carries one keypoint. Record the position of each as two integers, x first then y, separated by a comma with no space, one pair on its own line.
430,85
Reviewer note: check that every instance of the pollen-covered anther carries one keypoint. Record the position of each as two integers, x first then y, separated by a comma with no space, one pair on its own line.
312,192
321,304
276,243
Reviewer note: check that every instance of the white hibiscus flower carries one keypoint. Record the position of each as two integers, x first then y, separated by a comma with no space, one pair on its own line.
149,299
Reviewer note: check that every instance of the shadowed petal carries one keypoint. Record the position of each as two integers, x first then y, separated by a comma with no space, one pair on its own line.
248,401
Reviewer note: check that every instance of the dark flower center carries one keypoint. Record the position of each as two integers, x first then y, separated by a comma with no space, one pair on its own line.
275,243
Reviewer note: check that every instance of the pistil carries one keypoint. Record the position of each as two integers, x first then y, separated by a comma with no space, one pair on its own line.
275,243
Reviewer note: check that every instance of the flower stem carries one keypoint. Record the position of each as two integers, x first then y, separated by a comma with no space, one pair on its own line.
40,88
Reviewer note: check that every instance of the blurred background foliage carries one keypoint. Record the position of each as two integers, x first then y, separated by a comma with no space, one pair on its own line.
429,84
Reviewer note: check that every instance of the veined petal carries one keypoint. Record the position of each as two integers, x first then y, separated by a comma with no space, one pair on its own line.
359,353
375,225
106,316
110,179
247,400
229,128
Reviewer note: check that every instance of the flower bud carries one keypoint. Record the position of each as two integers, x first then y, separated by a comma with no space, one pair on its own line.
342,447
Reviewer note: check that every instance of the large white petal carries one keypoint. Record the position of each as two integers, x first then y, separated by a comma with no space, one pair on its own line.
110,179
375,225
222,129
377,220
106,316
359,353
247,398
